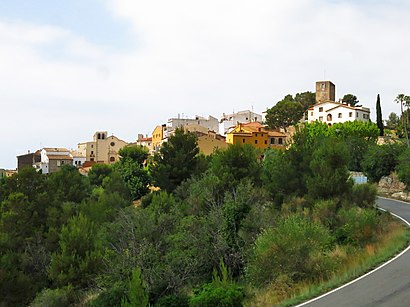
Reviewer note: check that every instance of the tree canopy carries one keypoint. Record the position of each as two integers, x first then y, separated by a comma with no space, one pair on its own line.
350,99
176,161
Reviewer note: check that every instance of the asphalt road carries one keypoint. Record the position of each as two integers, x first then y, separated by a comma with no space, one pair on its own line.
387,286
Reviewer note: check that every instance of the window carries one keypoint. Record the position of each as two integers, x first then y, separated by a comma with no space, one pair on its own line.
266,142
280,141
92,159
339,115
92,152
112,144
246,118
92,146
357,114
58,163
329,117
112,159
272,140
311,113
262,134
350,114
256,141
256,119
320,109
256,134
243,140
321,118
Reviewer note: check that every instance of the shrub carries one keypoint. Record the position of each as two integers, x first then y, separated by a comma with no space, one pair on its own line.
222,291
173,300
296,247
359,226
110,297
403,168
364,195
381,160
54,297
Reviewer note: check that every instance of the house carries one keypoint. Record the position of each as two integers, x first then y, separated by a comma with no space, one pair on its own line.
53,158
78,158
28,160
145,142
211,123
159,135
210,141
230,120
329,111
103,148
257,135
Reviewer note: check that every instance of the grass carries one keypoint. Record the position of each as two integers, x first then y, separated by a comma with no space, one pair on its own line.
353,263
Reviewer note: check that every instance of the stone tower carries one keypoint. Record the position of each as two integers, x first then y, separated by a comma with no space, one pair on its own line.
325,90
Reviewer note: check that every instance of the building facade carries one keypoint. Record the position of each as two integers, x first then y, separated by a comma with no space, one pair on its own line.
328,111
257,135
229,121
53,158
103,148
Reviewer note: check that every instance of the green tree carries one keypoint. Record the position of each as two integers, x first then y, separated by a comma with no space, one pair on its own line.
136,153
79,256
98,173
379,116
381,160
176,161
222,291
404,101
285,113
135,177
350,99
330,176
403,168
236,163
137,293
393,121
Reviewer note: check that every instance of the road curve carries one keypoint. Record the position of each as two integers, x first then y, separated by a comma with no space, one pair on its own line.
388,285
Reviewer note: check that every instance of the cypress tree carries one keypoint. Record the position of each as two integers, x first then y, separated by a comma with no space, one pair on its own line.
379,116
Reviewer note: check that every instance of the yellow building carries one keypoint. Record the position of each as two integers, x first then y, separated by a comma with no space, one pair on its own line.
209,142
256,135
103,148
158,136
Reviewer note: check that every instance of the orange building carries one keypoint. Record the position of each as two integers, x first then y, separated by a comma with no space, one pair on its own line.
256,135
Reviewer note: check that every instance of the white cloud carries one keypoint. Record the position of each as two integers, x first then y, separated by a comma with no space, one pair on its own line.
195,57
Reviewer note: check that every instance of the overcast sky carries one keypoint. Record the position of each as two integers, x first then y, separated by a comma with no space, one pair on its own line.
70,68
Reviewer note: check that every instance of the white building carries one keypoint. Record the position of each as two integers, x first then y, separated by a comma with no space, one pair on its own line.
331,112
53,158
242,117
211,123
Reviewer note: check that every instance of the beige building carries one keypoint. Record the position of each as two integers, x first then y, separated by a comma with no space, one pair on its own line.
210,141
158,136
103,148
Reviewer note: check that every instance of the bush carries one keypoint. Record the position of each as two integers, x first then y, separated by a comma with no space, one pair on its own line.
381,160
359,226
364,195
110,297
173,300
54,298
403,168
296,248
222,291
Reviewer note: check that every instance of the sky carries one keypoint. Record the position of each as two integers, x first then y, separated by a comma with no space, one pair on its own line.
70,68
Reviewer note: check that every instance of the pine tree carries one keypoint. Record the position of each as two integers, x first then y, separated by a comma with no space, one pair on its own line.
379,116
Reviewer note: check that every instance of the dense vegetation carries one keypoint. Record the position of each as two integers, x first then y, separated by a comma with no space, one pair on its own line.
220,227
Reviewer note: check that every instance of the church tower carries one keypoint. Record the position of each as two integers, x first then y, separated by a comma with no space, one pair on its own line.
325,90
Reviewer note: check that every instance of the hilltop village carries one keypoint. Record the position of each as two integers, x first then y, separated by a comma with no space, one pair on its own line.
243,127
